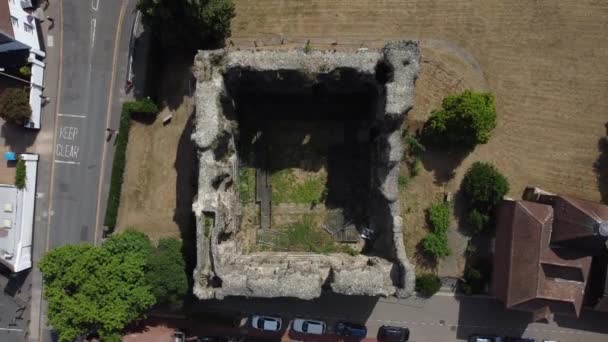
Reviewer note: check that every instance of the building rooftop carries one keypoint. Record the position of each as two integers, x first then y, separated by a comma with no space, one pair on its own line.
544,252
17,219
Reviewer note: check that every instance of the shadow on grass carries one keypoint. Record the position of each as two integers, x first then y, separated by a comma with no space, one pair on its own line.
443,162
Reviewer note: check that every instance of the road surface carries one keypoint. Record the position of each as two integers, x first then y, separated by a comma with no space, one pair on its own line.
87,53
441,318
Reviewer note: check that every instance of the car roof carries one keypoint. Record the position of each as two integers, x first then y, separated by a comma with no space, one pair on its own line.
311,325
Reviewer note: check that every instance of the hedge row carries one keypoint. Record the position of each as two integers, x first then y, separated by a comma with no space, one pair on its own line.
145,106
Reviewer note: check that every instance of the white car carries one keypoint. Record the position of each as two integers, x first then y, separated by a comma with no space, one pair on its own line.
308,326
266,323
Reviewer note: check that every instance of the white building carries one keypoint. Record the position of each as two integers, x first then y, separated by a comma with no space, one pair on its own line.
20,43
17,219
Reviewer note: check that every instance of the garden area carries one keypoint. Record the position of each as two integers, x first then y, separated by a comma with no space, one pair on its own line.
446,231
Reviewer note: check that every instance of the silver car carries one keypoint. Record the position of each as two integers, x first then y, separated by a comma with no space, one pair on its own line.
308,326
266,323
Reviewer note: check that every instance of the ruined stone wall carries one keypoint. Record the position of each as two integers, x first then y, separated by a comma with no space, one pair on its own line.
223,269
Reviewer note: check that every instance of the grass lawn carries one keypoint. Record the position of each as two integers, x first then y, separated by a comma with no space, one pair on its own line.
289,188
247,184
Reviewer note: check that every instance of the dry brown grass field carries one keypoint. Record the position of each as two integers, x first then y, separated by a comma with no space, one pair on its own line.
544,60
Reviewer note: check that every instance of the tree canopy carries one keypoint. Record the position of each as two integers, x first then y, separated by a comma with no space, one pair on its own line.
97,289
464,120
187,23
483,187
167,272
15,106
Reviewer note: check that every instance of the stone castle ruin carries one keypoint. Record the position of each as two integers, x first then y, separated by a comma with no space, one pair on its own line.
364,96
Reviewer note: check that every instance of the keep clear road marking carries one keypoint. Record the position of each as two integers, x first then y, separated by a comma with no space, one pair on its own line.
72,116
94,5
67,146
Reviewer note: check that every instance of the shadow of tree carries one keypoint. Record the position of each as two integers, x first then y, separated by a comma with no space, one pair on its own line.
443,162
17,138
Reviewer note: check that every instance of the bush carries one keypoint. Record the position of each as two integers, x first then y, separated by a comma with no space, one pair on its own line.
15,106
464,120
146,107
439,217
477,221
166,272
428,284
436,245
20,175
483,186
25,71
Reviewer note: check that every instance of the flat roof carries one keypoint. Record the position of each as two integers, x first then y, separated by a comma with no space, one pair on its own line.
17,219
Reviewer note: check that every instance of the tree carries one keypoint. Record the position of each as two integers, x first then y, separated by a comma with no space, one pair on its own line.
484,187
187,23
167,272
97,289
427,284
477,221
20,174
15,106
464,120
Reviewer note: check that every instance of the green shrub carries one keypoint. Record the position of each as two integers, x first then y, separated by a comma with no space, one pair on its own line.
477,221
464,120
145,106
25,71
428,284
247,184
436,245
476,277
403,181
416,167
20,174
15,106
439,217
483,186
413,147
307,47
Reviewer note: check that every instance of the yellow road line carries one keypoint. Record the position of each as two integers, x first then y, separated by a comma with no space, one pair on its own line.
108,115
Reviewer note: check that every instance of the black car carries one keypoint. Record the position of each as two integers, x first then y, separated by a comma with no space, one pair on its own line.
518,339
350,329
387,333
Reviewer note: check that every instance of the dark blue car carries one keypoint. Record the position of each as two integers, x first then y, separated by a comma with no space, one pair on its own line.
350,329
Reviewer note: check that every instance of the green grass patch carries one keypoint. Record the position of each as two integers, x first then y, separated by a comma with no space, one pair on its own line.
287,189
304,237
120,156
247,184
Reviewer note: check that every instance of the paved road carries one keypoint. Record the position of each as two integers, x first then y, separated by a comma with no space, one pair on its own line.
85,49
89,36
439,319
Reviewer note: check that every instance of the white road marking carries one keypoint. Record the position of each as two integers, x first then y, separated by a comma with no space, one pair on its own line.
67,162
50,41
95,5
72,116
93,25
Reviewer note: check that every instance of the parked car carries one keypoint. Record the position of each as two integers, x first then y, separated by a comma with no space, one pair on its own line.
266,323
308,326
387,333
211,339
485,338
518,339
351,329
